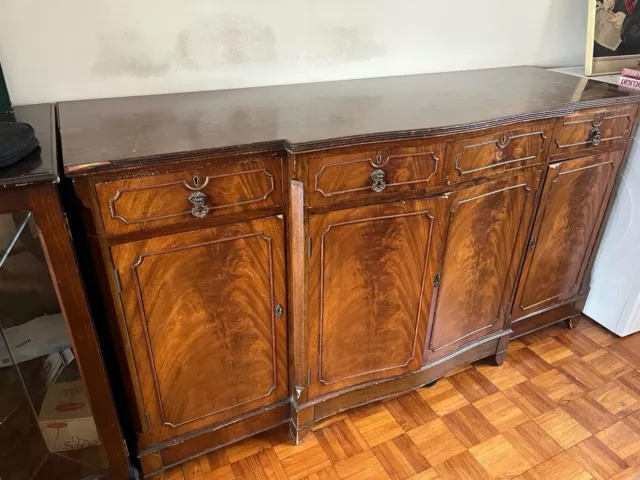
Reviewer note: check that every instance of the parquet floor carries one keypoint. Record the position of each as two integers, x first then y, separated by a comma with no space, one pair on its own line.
565,405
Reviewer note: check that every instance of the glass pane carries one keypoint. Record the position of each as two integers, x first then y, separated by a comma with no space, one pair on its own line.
47,429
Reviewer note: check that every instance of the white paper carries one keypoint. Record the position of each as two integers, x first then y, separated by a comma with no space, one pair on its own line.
40,336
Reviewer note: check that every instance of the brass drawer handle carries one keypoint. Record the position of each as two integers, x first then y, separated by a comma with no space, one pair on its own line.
199,200
378,180
595,137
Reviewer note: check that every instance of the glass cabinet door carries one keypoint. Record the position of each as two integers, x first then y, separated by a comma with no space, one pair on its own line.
47,430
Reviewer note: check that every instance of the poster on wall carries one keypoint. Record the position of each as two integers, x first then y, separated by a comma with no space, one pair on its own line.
613,36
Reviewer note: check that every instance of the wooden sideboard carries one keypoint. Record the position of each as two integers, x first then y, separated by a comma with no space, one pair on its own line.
277,255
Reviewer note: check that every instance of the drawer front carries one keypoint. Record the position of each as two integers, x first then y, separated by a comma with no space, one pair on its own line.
487,155
189,196
596,127
373,174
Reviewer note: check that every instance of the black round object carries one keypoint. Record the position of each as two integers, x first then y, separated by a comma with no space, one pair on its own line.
17,140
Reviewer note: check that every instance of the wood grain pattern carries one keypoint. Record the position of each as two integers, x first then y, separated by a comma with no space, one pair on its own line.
159,200
490,154
371,274
574,133
487,230
570,211
342,176
192,344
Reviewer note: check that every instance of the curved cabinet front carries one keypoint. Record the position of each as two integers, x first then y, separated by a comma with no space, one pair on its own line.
487,228
370,287
206,324
570,213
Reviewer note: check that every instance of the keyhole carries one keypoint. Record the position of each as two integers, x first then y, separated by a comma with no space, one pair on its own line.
196,181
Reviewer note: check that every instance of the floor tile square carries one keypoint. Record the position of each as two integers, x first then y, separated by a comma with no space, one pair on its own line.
443,397
628,349
401,458
530,399
247,447
557,386
550,350
631,380
364,466
341,440
410,410
560,467
463,466
577,343
607,364
501,411
563,428
304,459
527,362
473,385
617,399
499,458
598,459
533,443
581,373
599,335
436,442
470,426
590,414
378,427
503,377
623,439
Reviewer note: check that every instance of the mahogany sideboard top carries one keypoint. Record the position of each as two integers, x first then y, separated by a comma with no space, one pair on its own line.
98,134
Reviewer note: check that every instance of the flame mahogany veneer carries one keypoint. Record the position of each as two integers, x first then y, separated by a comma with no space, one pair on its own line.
277,255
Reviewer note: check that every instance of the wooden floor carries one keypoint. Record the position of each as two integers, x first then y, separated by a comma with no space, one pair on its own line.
565,405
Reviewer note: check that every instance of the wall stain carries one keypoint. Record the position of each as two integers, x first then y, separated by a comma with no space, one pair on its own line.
124,54
355,43
226,40
331,44
220,40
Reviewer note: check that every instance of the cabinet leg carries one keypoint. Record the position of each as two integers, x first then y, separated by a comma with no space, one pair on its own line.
298,435
572,322
500,356
431,383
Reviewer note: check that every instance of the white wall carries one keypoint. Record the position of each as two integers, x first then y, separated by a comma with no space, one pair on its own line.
70,49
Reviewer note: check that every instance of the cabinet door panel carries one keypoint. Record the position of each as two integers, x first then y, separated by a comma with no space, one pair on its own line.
371,282
199,308
483,248
569,216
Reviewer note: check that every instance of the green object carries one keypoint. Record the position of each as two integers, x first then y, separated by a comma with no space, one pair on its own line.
5,101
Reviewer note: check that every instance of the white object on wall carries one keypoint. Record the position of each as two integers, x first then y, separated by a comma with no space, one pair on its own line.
52,51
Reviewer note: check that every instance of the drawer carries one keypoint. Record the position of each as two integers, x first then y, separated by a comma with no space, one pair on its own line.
373,174
487,155
164,199
585,130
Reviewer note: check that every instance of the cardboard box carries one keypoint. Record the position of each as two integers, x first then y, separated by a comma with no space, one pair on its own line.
65,418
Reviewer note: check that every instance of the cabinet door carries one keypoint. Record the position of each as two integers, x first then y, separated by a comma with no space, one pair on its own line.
571,209
371,281
201,309
487,228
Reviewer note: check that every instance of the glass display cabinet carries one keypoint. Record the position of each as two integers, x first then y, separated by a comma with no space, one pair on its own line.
57,417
